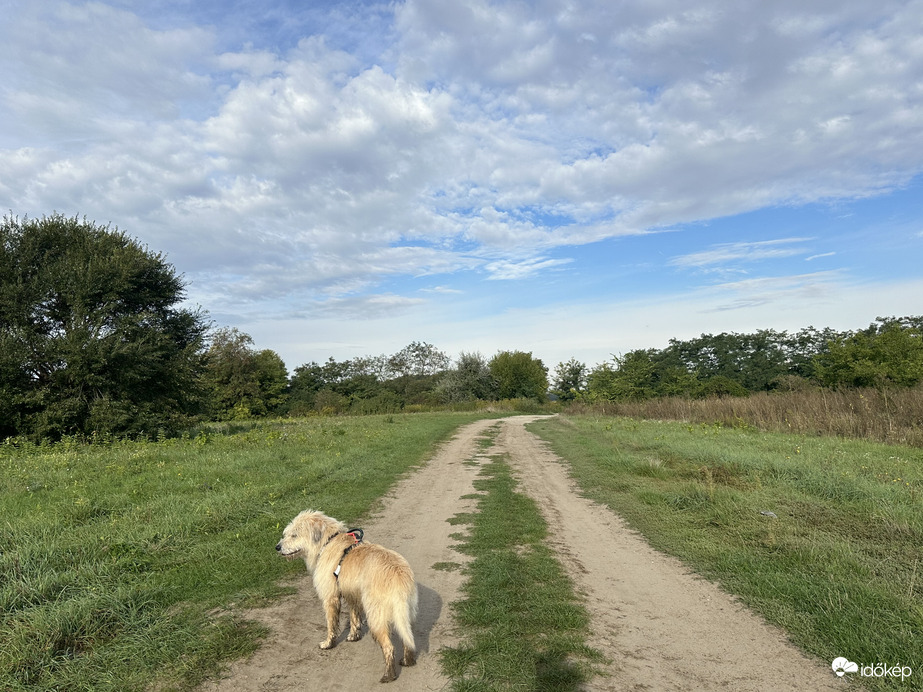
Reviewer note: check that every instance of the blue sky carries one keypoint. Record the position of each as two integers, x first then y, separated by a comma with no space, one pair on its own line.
571,178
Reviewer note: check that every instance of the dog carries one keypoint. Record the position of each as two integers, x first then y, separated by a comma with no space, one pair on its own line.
370,578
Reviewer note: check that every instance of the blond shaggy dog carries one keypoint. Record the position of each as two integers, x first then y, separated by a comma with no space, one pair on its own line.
369,577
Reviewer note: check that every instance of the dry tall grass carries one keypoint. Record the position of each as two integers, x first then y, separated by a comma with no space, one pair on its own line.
894,416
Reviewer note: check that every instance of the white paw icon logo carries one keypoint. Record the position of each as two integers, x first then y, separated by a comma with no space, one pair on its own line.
841,666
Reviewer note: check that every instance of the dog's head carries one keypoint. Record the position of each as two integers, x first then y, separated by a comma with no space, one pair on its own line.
307,534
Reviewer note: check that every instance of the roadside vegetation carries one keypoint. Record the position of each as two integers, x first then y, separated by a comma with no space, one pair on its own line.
823,536
892,415
128,562
525,629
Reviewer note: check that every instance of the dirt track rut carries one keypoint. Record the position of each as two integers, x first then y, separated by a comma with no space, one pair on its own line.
661,627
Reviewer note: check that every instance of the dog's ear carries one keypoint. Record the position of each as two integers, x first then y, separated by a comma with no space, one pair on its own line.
317,532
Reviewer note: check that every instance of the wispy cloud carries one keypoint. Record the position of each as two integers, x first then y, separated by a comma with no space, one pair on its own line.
507,270
445,290
743,252
816,288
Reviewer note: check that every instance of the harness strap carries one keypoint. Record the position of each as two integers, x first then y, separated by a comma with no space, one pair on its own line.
357,535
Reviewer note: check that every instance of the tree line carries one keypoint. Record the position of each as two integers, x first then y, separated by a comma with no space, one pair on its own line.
889,352
94,339
244,382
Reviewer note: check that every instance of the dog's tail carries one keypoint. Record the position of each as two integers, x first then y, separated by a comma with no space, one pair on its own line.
403,625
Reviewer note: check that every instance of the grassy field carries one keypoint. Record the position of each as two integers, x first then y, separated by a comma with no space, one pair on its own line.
525,628
124,563
822,535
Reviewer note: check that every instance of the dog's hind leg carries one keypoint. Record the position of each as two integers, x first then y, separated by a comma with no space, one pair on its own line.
355,623
410,654
382,634
332,611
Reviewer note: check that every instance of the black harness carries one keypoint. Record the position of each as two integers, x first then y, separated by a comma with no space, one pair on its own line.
357,535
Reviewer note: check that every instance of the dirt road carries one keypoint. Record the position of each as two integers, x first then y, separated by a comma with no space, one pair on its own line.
661,627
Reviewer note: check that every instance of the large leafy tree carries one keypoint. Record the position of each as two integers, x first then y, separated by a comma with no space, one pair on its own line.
243,382
887,353
569,380
418,359
92,338
519,375
468,381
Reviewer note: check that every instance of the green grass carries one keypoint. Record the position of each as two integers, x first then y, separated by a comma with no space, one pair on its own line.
123,565
840,567
525,628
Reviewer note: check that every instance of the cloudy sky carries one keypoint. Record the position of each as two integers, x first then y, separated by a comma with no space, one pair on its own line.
574,178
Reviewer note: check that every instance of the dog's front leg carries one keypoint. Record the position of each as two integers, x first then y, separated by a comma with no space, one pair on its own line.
332,611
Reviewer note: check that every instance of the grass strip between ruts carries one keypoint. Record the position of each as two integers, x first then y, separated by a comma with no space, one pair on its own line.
525,626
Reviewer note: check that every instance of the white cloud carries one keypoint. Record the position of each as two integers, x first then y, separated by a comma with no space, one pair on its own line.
303,176
593,331
93,66
443,289
816,288
742,252
507,270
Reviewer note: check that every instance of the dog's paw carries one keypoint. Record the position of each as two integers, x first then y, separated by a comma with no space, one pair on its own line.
328,643
410,659
388,677
354,637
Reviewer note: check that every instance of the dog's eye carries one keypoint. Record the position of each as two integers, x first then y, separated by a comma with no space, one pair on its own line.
294,535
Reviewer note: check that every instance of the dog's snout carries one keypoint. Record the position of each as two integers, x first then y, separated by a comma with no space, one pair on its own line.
279,547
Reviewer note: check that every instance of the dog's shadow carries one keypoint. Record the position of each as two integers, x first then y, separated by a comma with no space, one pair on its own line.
428,611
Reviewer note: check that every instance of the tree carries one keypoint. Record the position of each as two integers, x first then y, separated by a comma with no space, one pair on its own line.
470,380
415,370
91,336
889,353
719,386
418,359
243,382
570,380
755,361
519,375
631,376
306,382
602,382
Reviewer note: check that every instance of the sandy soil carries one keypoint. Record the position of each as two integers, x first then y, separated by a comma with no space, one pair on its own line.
662,627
